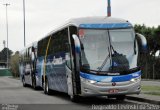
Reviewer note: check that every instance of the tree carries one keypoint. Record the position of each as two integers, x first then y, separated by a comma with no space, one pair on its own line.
150,63
14,63
3,54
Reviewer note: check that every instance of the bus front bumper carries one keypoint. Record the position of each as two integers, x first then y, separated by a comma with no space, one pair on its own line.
91,88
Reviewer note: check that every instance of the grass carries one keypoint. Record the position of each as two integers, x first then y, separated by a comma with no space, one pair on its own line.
152,90
5,72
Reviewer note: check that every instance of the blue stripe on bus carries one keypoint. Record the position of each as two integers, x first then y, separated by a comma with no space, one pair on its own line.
77,49
106,26
120,78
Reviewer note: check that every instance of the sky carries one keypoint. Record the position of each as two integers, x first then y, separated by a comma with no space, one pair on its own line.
43,16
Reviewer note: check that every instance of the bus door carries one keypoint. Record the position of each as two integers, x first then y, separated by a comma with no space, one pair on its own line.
73,77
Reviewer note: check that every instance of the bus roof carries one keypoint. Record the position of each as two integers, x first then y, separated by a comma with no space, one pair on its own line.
93,22
34,44
96,20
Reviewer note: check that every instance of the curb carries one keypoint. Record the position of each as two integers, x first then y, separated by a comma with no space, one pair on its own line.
140,99
154,80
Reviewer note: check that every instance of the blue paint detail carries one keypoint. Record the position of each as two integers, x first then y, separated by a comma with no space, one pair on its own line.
39,70
39,66
77,49
120,78
144,47
106,26
55,73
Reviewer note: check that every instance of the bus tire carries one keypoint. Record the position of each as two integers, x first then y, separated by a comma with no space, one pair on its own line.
120,97
74,98
46,88
23,81
34,83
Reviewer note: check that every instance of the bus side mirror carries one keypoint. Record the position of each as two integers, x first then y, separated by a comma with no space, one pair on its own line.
142,42
77,43
33,49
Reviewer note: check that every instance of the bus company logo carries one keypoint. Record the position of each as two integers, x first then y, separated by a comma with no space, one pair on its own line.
113,84
9,107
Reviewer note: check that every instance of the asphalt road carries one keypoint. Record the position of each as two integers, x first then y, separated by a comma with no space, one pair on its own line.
25,98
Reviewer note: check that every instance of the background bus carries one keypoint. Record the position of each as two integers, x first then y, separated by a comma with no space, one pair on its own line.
27,65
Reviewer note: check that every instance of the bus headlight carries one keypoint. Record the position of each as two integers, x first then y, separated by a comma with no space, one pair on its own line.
135,79
88,81
92,81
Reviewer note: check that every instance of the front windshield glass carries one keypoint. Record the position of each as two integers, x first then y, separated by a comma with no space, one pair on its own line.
94,46
122,41
108,50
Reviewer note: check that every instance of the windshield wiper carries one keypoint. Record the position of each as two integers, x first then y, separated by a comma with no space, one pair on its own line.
103,64
109,55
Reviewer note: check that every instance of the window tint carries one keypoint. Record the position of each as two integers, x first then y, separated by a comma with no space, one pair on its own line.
42,46
58,42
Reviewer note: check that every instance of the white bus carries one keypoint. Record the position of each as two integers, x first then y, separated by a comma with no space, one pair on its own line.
27,65
92,56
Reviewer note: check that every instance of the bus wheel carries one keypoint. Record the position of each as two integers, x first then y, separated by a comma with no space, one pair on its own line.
23,81
74,98
120,97
34,83
46,88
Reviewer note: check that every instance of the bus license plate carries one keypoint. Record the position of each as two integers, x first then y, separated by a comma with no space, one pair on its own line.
113,91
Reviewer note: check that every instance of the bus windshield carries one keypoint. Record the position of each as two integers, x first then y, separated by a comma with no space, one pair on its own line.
107,50
94,48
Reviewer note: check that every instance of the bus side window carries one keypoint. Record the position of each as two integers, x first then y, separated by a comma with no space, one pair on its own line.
65,46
